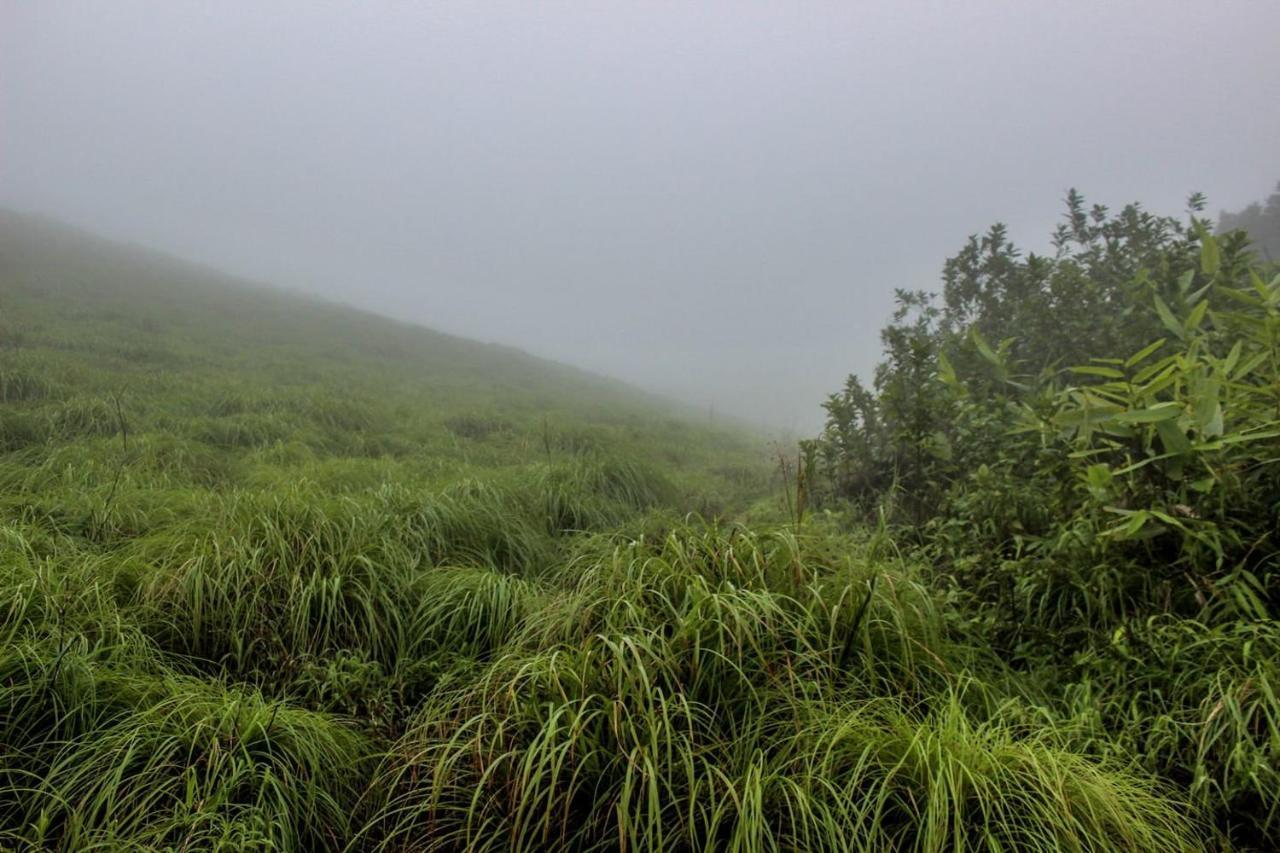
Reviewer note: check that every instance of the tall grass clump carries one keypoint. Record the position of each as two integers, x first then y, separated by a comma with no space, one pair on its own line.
263,582
18,385
724,689
108,754
271,580
1199,705
83,417
871,776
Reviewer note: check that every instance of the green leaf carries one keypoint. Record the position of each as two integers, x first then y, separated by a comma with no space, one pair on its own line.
946,372
1128,469
1170,322
1166,379
1145,352
1165,365
1204,484
1210,259
1098,480
1212,428
1249,366
1151,414
1172,437
1136,527
1260,285
984,349
1193,298
1196,317
1207,408
1242,297
1232,358
1270,293
1246,437
1106,372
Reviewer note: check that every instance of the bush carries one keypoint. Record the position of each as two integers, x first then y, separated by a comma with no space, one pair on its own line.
1084,448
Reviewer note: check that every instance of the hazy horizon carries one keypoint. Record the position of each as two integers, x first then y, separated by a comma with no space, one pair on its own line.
711,201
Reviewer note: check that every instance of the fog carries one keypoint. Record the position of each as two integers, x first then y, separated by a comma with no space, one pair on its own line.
712,200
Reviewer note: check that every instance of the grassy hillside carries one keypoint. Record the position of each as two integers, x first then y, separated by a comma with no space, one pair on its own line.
276,575
176,442
239,380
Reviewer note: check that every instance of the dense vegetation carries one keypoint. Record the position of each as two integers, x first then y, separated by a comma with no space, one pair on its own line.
1261,220
280,575
1083,449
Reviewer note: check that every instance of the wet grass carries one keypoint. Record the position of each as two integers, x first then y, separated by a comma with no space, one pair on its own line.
282,576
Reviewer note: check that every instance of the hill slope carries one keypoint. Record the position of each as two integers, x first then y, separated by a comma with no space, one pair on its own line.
216,498
277,575
192,354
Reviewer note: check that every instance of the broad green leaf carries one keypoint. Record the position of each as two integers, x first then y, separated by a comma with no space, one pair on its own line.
1210,259
1204,484
1165,380
1232,357
1207,408
1106,372
1151,414
1098,479
1196,317
1136,522
1212,428
1172,437
984,349
1242,297
1136,527
1193,298
1164,364
1170,322
1270,293
1145,352
946,372
1250,365
1167,518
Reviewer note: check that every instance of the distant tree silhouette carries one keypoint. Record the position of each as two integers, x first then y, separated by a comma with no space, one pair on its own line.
1262,221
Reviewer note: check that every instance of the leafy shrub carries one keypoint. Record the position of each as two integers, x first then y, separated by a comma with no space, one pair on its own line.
1101,477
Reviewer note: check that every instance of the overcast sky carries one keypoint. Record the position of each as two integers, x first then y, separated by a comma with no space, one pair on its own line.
711,199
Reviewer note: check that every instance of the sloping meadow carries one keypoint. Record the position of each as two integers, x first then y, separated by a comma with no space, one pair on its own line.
282,576
461,671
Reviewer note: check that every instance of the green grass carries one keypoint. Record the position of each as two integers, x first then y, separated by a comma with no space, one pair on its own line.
281,575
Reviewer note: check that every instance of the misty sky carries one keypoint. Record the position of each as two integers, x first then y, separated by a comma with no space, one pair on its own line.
711,199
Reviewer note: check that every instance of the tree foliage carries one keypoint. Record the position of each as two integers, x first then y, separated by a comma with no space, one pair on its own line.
1262,222
1084,445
